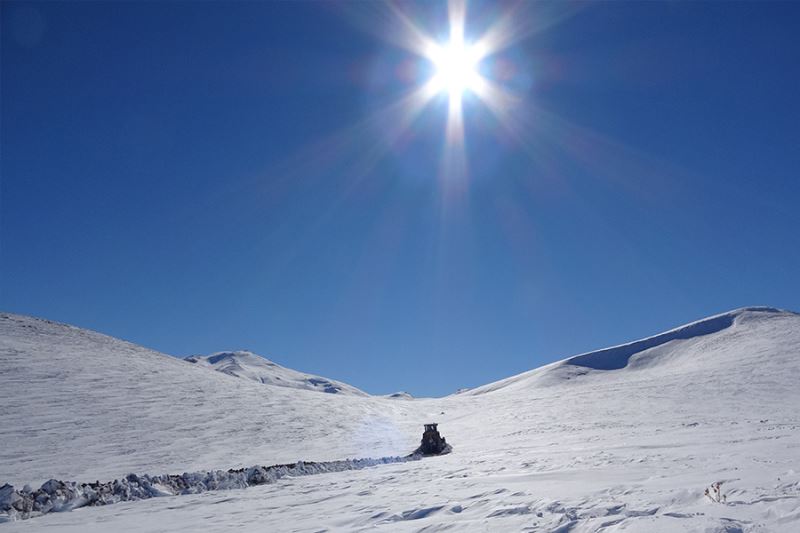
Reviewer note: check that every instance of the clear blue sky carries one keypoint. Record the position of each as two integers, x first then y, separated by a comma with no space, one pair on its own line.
197,177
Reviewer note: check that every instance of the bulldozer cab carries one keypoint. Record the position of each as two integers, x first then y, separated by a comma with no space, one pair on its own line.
432,442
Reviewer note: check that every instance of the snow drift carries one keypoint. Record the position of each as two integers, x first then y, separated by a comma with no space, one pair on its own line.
58,496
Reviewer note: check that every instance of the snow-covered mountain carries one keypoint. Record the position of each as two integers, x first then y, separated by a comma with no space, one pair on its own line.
247,365
710,345
626,438
77,404
400,395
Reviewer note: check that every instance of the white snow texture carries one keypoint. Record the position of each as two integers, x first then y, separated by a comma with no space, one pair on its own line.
623,439
244,364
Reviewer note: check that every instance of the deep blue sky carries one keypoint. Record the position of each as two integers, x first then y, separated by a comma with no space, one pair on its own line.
197,177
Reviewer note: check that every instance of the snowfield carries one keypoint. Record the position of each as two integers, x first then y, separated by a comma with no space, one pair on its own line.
622,439
247,365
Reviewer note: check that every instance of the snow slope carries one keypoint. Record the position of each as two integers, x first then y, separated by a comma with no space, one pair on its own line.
247,365
78,405
702,346
579,445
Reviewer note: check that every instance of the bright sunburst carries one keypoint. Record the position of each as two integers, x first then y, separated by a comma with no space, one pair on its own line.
456,66
456,70
464,64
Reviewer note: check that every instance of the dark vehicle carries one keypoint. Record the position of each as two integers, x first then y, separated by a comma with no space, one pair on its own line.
432,442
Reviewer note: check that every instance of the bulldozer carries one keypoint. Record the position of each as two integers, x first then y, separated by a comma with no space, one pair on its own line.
432,442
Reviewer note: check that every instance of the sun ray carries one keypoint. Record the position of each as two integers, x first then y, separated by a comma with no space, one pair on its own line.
388,21
457,63
522,20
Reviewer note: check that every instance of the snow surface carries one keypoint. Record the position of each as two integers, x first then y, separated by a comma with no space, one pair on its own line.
400,395
244,364
621,439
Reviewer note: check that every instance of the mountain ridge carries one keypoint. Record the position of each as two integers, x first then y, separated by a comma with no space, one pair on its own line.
248,365
245,364
618,357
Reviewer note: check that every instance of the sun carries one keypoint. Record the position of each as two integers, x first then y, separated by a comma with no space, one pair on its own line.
459,70
456,65
456,72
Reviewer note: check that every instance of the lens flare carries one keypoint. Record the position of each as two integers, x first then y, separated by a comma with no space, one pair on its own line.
463,67
456,68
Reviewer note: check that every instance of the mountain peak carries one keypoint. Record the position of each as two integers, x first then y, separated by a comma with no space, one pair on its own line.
248,365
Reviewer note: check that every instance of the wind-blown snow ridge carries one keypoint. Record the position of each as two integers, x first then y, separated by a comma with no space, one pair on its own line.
58,496
617,357
644,351
248,365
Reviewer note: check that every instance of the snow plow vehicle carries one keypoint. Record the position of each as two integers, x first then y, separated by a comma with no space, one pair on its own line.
432,442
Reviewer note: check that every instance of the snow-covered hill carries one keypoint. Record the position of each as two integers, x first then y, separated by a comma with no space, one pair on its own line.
621,439
709,345
400,395
80,405
247,365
